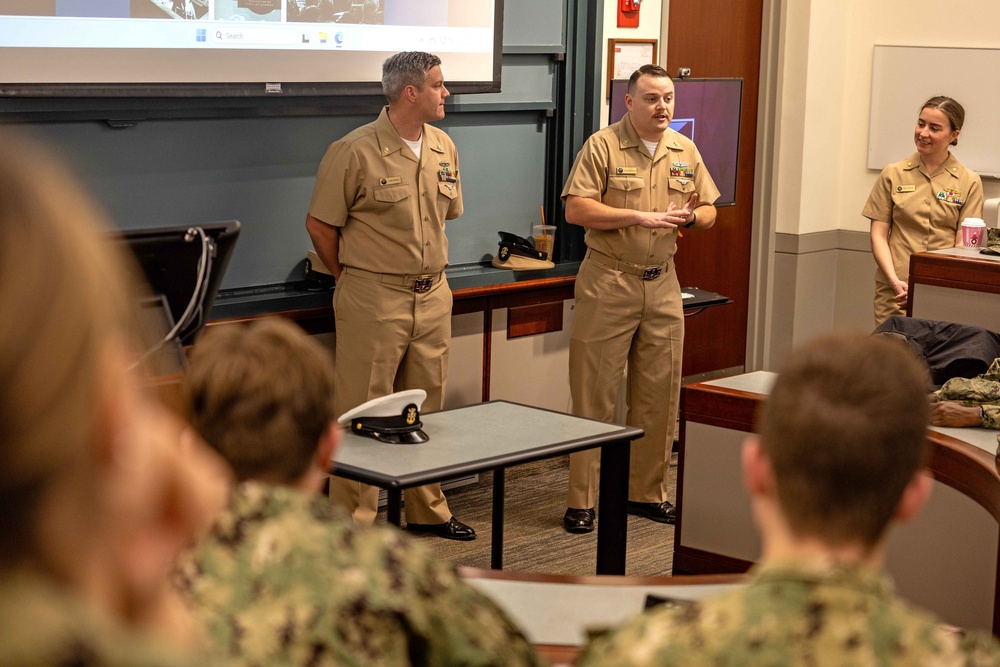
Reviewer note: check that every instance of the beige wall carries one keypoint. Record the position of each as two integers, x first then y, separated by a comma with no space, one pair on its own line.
825,91
817,181
649,28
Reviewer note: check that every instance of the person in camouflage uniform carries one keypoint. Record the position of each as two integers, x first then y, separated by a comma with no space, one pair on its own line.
838,459
285,578
969,401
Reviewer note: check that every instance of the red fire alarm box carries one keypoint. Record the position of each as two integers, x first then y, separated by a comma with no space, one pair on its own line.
628,13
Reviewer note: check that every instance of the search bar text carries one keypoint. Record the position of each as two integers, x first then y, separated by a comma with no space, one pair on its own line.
255,36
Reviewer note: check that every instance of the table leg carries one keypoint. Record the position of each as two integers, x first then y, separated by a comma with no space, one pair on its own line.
612,522
496,546
393,508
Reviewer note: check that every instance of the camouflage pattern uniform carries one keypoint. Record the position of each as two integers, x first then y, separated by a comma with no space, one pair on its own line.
284,578
983,390
42,624
794,614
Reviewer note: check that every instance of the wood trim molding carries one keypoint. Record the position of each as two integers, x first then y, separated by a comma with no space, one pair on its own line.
720,406
534,319
969,273
689,562
967,469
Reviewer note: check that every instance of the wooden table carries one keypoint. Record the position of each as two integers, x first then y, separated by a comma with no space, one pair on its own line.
955,285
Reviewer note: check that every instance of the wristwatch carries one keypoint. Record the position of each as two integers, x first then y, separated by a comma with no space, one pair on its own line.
694,219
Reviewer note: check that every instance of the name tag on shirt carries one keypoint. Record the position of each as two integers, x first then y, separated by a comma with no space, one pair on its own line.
626,171
391,180
905,188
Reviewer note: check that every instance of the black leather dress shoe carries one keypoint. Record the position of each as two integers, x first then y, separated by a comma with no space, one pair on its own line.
452,529
578,521
661,512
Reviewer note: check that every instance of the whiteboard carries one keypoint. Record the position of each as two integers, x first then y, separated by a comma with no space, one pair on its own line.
904,77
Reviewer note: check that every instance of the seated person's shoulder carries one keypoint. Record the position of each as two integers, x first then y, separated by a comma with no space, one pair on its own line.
979,649
671,634
45,625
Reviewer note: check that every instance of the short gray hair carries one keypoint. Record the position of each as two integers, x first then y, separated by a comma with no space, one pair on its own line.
408,68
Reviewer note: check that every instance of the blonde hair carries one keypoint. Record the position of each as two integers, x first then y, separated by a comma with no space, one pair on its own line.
262,396
63,299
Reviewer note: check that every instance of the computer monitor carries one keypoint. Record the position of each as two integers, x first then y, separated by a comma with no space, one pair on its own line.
185,264
707,111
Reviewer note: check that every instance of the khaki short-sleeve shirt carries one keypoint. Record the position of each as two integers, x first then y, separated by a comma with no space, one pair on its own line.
614,168
390,206
923,211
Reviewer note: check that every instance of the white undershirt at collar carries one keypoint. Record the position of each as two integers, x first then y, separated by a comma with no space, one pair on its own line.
415,145
651,147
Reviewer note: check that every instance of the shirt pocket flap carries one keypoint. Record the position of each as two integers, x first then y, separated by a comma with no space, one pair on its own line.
626,183
390,194
449,190
681,184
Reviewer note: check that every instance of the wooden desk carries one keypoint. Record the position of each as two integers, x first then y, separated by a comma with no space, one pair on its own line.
955,285
494,436
555,611
946,560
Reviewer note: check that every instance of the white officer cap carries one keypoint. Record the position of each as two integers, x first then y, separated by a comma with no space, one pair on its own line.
394,418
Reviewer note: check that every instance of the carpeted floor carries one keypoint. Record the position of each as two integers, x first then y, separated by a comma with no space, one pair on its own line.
534,540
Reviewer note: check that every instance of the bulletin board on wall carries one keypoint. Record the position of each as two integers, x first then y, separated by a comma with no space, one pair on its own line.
904,77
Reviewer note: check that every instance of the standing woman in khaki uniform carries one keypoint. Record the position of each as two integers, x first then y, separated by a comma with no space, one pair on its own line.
918,204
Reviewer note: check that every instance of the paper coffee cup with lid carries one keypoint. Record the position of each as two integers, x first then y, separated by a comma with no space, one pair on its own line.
972,232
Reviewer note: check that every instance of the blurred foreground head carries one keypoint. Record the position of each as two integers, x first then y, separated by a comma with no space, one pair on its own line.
93,490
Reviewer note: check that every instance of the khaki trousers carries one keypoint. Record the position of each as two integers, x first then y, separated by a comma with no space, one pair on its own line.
621,318
390,338
885,303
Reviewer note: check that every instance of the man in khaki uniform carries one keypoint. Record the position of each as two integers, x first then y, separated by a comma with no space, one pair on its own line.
633,185
377,219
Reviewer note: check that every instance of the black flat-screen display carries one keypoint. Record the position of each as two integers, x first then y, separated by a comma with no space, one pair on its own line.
238,48
707,111
184,266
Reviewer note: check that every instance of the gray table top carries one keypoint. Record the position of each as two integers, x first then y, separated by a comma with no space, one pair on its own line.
473,439
561,614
